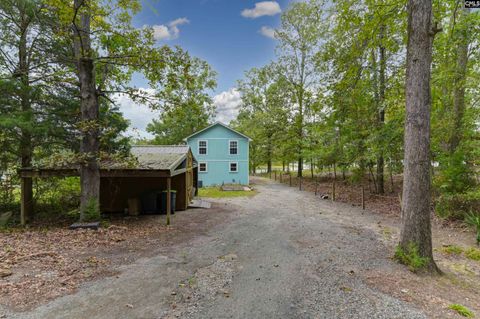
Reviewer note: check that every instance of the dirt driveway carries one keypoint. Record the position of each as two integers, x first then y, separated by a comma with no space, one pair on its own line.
282,254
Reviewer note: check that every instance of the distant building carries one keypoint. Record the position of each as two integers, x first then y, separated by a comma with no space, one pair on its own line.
222,155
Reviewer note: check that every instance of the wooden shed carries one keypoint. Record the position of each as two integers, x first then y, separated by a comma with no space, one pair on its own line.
157,169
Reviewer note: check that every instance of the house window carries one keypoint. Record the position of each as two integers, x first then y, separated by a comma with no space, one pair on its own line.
233,167
202,167
202,147
233,147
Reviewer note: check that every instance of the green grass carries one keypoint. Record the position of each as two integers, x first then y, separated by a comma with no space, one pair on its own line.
452,250
462,310
215,192
473,253
410,257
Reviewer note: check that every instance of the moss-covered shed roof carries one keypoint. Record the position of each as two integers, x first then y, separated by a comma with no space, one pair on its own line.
160,157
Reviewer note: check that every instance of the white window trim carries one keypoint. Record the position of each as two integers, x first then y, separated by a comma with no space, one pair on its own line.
206,147
229,153
206,167
230,167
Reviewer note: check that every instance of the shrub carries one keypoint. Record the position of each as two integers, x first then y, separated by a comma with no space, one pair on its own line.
454,173
473,219
473,253
357,175
452,250
56,196
457,205
410,257
92,210
462,310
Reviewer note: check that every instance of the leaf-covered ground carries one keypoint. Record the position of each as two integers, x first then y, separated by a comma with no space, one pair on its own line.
50,261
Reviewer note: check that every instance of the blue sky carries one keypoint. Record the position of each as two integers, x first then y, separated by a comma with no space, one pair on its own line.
231,35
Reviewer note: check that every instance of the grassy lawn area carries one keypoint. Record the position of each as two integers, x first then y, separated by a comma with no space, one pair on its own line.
216,192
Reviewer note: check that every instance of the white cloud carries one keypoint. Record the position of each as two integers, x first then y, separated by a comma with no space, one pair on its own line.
169,31
263,8
268,32
139,115
228,104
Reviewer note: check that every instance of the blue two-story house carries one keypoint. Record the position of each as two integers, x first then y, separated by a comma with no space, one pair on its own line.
222,155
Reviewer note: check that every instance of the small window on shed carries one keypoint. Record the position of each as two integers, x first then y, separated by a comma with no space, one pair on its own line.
202,147
202,167
233,167
233,147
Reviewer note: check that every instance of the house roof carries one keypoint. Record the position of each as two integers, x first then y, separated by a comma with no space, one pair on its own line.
160,157
215,124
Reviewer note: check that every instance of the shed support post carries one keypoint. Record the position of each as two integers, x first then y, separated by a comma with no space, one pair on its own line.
169,199
26,200
363,197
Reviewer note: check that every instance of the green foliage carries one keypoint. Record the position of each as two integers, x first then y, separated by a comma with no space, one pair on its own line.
473,219
264,115
410,257
56,196
454,174
473,254
462,310
184,100
216,192
452,250
92,211
458,205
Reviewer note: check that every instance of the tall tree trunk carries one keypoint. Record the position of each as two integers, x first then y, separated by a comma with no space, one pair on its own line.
459,85
301,97
381,111
416,224
26,150
89,148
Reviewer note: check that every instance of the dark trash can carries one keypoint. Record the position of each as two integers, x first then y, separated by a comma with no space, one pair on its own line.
173,196
150,203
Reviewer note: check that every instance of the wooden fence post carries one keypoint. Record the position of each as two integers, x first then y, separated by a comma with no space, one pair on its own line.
290,174
275,173
300,183
169,204
281,173
333,190
316,186
270,174
363,197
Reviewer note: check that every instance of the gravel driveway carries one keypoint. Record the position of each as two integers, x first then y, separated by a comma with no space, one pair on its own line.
282,254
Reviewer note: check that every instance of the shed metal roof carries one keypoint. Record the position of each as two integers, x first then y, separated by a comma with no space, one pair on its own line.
160,157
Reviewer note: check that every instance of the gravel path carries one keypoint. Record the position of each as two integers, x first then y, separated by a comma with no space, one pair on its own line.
282,254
